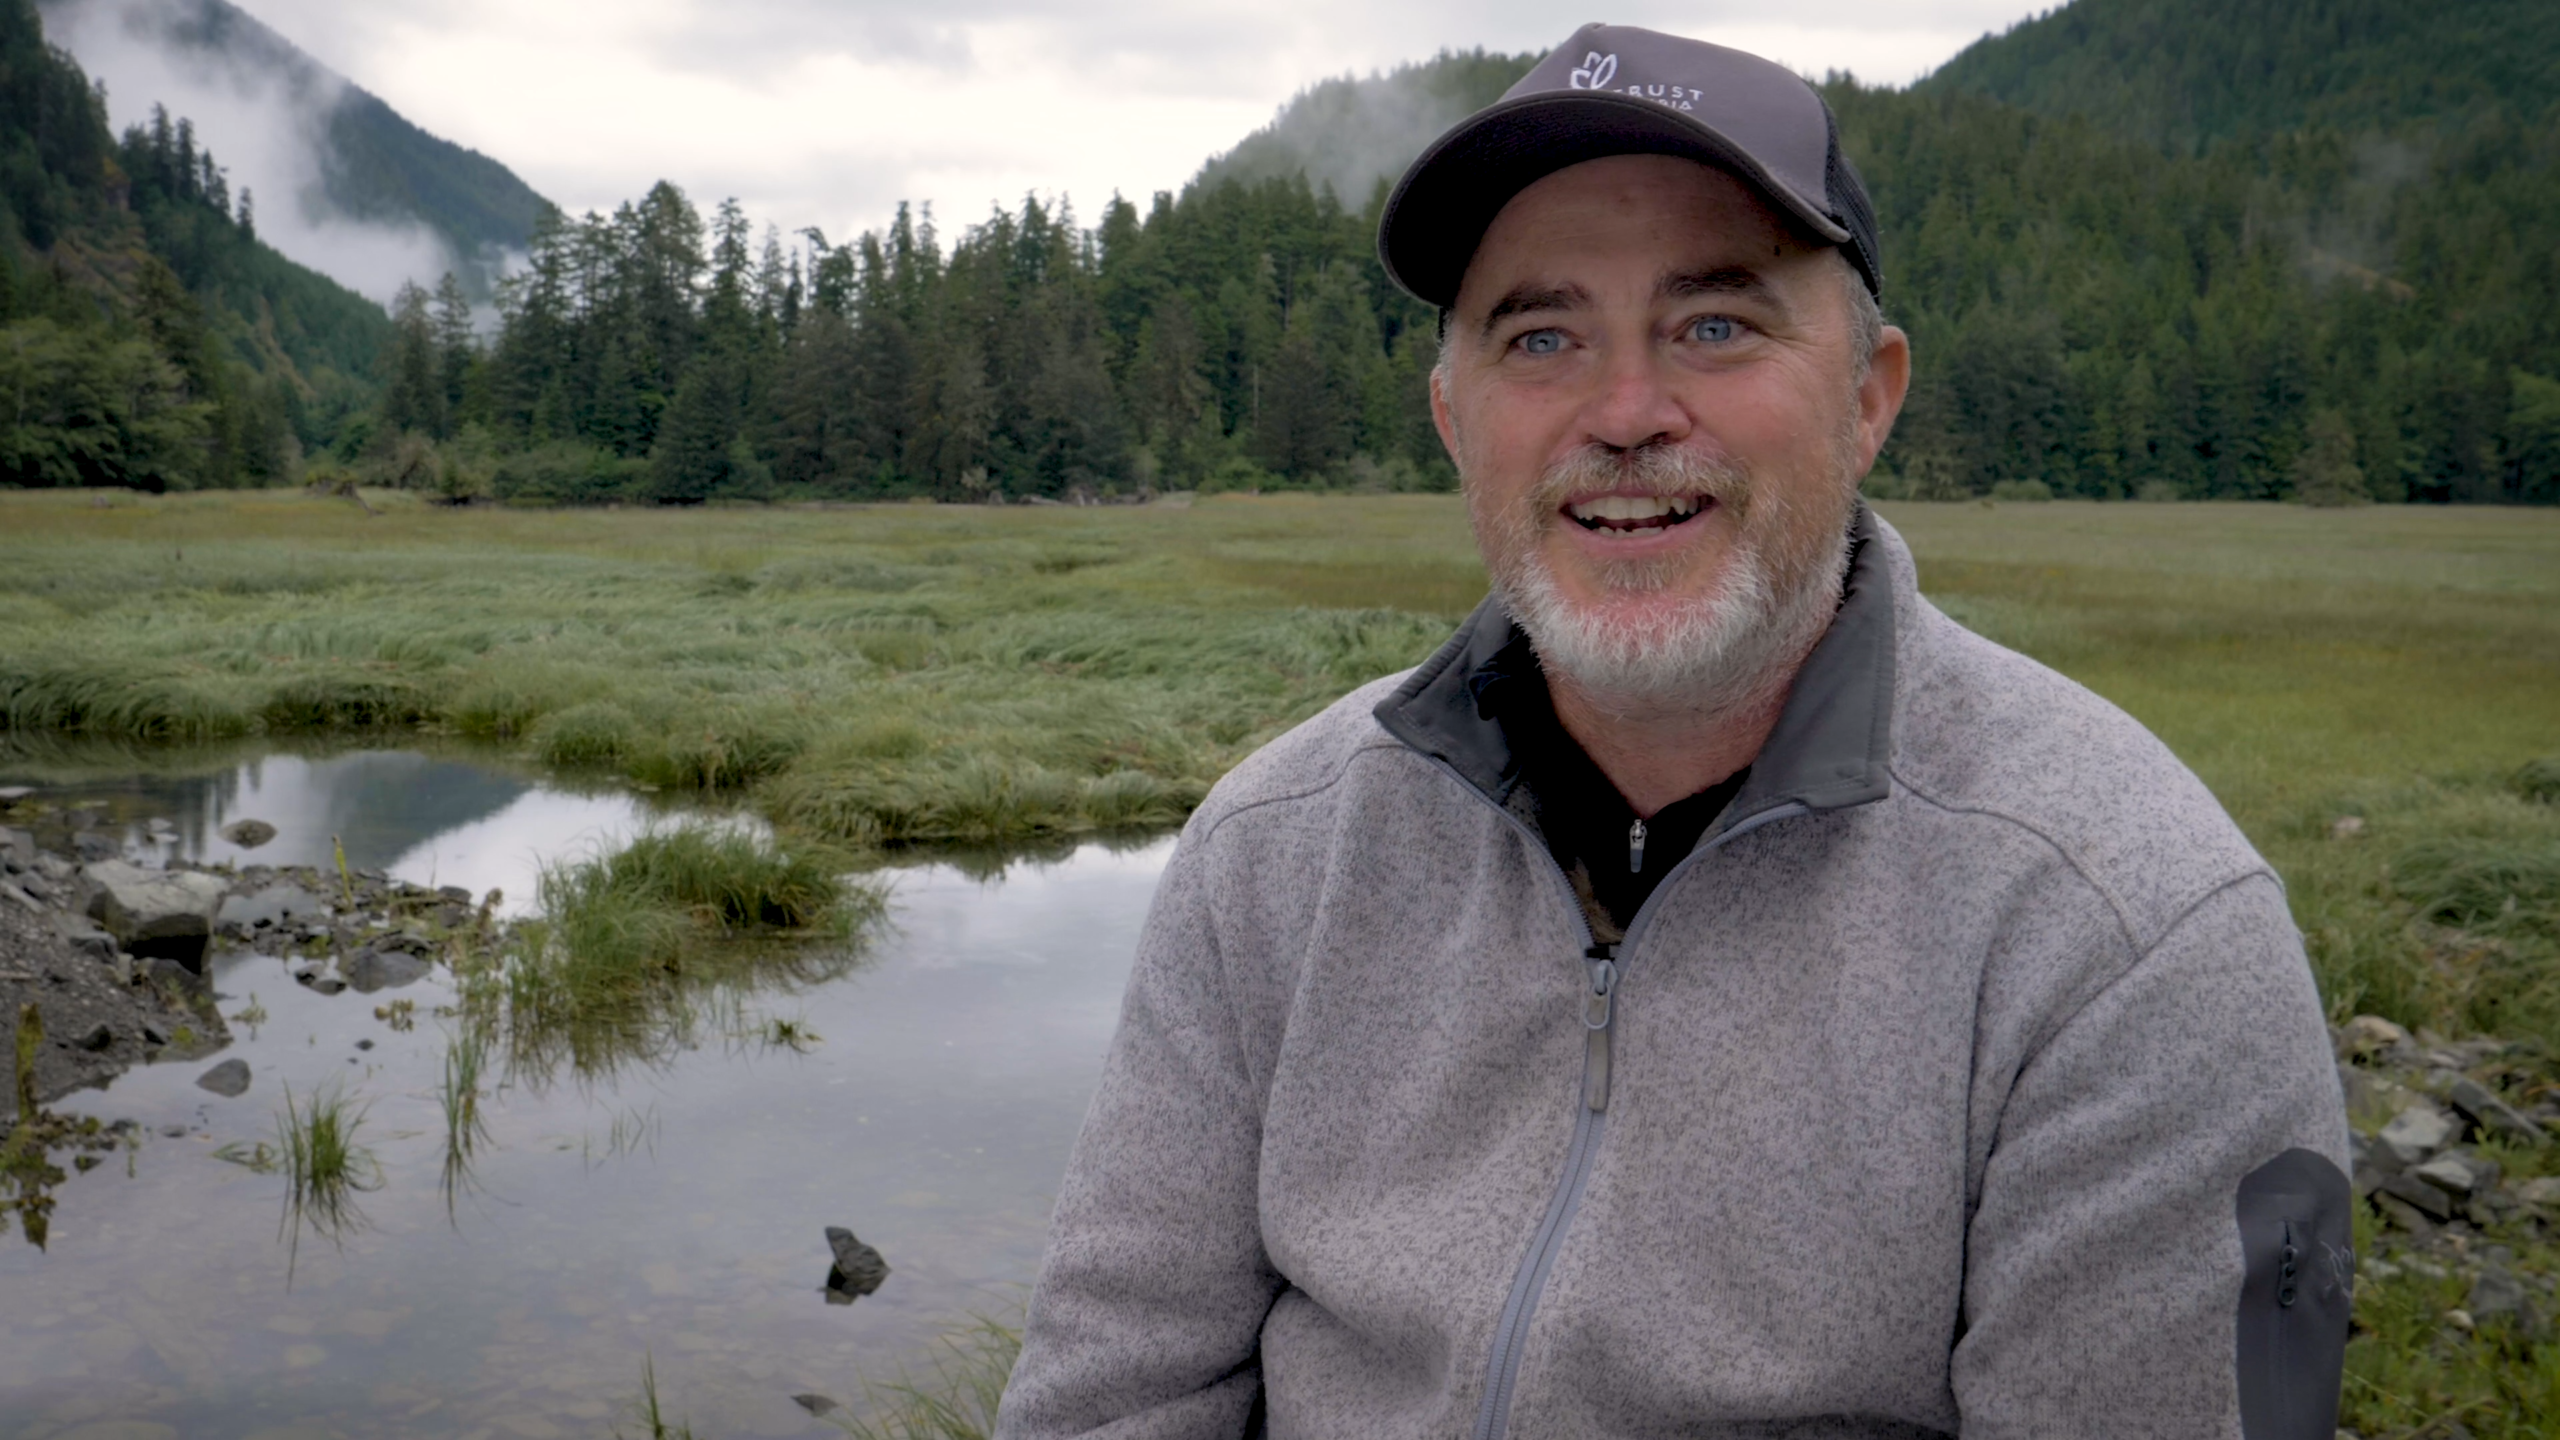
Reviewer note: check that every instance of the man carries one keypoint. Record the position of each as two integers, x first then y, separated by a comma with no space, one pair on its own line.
1715,995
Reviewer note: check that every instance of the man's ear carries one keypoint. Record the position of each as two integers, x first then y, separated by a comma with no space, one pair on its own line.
1880,398
1440,420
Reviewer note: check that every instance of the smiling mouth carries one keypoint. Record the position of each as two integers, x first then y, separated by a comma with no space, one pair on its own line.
1635,514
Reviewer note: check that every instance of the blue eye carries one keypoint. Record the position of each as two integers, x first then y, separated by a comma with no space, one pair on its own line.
1542,342
1713,329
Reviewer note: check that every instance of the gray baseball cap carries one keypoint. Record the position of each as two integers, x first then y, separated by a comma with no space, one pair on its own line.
1620,90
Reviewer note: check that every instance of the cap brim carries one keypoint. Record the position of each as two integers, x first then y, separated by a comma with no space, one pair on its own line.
1441,208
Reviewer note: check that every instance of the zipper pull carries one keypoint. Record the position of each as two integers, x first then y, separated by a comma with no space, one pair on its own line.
1598,1010
1635,848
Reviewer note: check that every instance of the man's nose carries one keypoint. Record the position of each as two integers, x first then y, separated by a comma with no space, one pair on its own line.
1634,403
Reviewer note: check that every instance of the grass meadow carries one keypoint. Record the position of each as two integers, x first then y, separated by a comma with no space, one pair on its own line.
2375,693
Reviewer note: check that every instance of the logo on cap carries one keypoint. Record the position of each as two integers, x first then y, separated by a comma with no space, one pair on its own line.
1596,72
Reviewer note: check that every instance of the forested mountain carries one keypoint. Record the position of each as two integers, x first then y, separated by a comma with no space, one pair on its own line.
2204,235
2351,291
146,337
371,164
2186,73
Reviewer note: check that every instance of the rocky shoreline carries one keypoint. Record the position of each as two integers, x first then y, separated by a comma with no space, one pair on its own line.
111,941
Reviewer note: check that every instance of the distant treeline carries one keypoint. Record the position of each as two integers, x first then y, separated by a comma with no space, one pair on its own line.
1234,338
2331,312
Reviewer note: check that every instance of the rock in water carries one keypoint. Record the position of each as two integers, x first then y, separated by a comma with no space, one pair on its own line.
140,906
231,1077
248,834
370,969
815,1403
858,1270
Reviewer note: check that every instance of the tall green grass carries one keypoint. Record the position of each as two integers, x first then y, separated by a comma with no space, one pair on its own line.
879,676
632,945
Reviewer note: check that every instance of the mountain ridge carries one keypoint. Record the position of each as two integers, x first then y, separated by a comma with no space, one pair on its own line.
373,165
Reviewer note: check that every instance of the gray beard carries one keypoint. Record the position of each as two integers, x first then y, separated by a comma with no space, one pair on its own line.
1724,652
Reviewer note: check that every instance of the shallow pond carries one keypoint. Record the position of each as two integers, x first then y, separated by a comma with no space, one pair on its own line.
674,1211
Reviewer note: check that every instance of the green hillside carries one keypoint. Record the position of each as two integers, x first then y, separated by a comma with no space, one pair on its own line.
375,165
2189,72
147,337
1352,134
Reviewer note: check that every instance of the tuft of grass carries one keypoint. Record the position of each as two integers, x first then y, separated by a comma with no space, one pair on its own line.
324,1166
629,945
953,1398
2494,886
466,1127
596,733
2538,780
652,1413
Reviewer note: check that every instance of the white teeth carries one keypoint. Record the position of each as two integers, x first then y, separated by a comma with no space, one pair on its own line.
1634,507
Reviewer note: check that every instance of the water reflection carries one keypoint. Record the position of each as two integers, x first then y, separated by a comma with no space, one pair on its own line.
528,1244
429,817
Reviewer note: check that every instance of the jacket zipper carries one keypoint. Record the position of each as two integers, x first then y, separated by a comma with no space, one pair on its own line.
1599,1020
1635,847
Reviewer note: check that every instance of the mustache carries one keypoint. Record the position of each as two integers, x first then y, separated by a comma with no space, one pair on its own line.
1656,469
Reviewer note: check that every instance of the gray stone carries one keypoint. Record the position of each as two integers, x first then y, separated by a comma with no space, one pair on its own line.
2496,1294
320,983
88,940
2455,1175
2418,1195
2543,1191
816,1404
229,1078
12,794
371,969
16,896
92,847
248,834
160,825
176,974
97,1037
2415,1135
2491,1115
137,905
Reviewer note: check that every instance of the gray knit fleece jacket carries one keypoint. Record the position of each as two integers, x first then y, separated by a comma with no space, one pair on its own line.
1967,1078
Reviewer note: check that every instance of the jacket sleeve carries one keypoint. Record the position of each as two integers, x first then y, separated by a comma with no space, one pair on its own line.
1147,1317
2161,1244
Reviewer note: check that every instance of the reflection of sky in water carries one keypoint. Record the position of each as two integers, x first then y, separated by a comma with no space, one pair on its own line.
933,1120
423,818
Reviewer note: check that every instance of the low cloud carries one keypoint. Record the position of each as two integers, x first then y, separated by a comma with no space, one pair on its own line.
265,122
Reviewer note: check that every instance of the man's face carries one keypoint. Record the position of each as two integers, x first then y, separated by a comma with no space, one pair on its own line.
1651,391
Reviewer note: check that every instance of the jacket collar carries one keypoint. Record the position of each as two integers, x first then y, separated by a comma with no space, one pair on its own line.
1829,750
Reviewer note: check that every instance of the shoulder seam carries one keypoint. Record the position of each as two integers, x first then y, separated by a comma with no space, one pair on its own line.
2143,954
2116,905
1305,791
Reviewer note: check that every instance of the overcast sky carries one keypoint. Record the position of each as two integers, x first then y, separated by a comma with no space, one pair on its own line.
828,112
